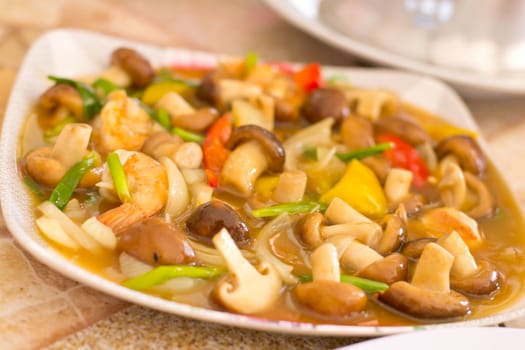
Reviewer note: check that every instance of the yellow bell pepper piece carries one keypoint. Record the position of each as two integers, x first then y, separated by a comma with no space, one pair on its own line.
360,188
265,185
155,91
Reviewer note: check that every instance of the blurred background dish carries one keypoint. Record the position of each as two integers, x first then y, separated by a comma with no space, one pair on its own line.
479,47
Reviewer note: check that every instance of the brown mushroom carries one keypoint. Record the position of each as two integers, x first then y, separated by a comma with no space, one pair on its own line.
405,129
394,231
209,218
413,249
156,242
485,281
326,103
357,132
392,268
61,96
273,148
326,294
309,229
208,89
485,202
198,121
428,296
134,64
467,275
379,165
467,150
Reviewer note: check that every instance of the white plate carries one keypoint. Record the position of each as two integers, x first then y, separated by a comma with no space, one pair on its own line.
72,53
393,42
479,338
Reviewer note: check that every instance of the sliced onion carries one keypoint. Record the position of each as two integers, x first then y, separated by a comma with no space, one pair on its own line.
178,195
263,250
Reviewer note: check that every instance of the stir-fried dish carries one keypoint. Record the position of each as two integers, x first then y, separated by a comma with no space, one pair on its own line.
269,190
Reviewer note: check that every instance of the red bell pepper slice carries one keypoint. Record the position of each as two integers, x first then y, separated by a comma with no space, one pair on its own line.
403,155
214,151
309,77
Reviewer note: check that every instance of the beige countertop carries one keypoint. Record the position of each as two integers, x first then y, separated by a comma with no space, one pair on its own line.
39,307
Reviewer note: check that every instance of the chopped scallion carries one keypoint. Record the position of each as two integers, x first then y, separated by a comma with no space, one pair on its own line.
365,152
105,85
119,177
188,136
67,185
163,118
310,153
250,61
290,208
369,286
34,187
162,274
53,132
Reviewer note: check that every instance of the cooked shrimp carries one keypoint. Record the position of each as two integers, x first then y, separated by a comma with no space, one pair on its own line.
148,185
123,124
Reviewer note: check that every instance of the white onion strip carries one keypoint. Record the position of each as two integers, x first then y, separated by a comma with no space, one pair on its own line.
178,195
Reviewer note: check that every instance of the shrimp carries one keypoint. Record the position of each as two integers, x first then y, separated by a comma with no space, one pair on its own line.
148,185
123,124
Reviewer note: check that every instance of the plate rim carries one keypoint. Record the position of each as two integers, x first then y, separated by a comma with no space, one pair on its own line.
50,257
462,79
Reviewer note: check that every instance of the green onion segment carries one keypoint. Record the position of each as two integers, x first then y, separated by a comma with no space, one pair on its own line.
187,136
119,177
369,286
365,152
67,185
162,274
105,85
290,208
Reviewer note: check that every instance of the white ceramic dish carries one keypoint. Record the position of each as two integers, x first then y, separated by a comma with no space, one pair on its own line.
305,15
479,338
72,53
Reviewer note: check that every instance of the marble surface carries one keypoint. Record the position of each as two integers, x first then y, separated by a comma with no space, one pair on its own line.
40,308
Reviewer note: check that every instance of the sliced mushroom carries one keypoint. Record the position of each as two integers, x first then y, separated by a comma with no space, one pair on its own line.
485,202
413,249
357,132
466,275
367,263
326,103
47,165
61,96
207,219
405,129
290,186
326,294
208,89
309,229
373,103
273,148
156,242
467,150
428,296
452,185
134,64
247,289
397,184
349,222
183,115
394,231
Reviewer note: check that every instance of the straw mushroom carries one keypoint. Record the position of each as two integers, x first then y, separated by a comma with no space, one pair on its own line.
357,132
428,296
47,165
467,275
467,150
156,242
134,64
246,289
405,129
309,229
61,99
452,185
326,294
413,249
326,103
394,231
368,263
254,150
210,217
485,201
